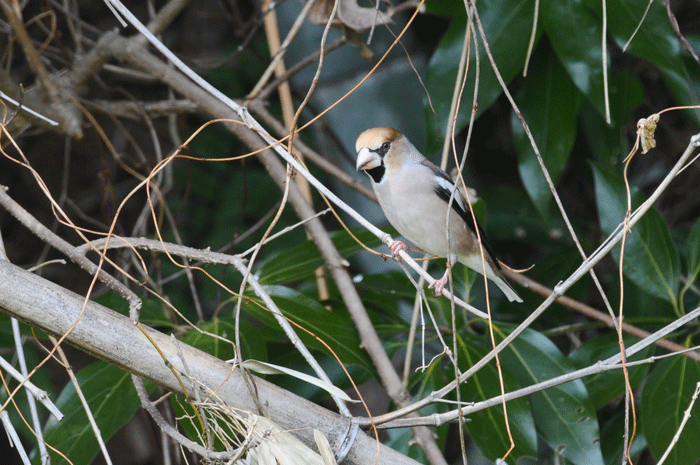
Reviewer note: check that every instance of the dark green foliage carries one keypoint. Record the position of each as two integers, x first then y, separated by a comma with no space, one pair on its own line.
223,205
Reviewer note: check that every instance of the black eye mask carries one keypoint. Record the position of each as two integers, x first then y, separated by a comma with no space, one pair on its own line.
381,151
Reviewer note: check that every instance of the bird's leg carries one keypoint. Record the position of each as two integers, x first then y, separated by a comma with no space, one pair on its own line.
396,247
440,284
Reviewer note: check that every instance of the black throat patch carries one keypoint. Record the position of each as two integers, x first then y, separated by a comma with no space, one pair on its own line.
377,173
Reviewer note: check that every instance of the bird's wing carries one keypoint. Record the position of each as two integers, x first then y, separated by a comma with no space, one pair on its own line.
443,188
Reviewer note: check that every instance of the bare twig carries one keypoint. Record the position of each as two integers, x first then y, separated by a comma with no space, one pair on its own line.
60,244
13,12
677,30
611,363
686,416
37,393
296,68
282,49
594,314
314,157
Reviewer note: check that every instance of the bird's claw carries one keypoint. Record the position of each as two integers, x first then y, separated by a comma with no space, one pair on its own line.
396,247
438,285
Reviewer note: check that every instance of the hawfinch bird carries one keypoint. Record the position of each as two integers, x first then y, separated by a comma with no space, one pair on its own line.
415,195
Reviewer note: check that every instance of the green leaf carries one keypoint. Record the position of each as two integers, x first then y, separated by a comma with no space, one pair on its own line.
651,259
608,143
335,328
487,427
686,86
549,102
576,36
113,401
300,262
611,433
693,254
422,383
403,441
507,25
151,312
383,294
666,396
564,414
655,41
512,217
449,8
604,387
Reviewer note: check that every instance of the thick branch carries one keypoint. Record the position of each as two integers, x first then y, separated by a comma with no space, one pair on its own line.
115,339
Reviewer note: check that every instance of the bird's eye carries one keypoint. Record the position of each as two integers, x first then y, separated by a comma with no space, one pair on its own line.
384,149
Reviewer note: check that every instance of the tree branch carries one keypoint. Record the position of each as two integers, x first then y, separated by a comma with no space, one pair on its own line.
114,338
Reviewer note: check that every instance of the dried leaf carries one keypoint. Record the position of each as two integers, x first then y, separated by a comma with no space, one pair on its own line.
280,447
645,129
271,369
324,448
350,14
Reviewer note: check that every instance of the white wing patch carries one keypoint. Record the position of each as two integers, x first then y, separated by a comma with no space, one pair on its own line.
450,187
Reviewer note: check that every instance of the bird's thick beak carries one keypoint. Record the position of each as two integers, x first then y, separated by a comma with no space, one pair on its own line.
366,159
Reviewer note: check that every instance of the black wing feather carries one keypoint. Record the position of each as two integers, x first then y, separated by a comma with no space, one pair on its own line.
466,215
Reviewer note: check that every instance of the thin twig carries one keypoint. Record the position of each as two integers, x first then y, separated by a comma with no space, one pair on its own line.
686,416
594,314
677,30
36,393
540,160
611,363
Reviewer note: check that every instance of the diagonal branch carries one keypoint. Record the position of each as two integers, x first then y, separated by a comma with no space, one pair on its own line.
114,338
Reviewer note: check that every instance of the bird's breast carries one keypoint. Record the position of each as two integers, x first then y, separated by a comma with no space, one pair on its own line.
418,214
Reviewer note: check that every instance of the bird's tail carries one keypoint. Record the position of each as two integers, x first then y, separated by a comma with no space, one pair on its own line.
506,288
493,273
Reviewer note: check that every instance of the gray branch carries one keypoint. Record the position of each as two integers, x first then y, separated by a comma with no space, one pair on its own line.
115,339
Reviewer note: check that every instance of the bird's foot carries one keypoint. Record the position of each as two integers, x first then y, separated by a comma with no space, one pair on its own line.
439,284
396,247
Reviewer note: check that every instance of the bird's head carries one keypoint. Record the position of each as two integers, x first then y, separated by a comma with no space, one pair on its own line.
382,149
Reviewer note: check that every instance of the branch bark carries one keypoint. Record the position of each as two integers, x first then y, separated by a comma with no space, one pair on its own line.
115,339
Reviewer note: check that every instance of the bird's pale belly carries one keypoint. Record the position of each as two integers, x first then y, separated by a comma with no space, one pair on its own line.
429,233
